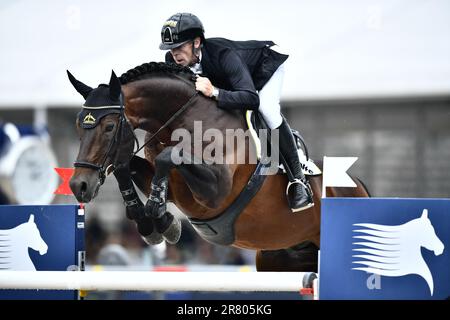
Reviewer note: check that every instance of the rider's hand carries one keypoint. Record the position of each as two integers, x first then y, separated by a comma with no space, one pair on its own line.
205,86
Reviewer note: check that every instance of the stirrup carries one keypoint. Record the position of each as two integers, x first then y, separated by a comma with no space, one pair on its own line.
308,190
303,183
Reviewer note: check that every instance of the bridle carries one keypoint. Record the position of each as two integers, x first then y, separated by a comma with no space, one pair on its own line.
118,135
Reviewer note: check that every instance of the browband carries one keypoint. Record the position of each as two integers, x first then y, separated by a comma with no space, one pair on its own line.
101,107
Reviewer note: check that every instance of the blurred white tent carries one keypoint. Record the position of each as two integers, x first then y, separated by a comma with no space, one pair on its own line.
338,49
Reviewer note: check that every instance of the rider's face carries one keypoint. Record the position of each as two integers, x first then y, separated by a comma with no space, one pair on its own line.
184,54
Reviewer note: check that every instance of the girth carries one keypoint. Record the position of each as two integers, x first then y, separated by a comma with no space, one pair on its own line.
220,229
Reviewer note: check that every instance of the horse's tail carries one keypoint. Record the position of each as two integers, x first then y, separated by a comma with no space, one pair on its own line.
363,185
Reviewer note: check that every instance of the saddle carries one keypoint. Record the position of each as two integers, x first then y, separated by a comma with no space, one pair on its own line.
255,122
220,229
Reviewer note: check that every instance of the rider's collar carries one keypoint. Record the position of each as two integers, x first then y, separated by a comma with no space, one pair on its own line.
197,68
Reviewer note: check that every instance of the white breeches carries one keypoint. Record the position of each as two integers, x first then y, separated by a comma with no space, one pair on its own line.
269,99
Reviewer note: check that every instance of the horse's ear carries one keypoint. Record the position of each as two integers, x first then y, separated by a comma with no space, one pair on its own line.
114,87
82,89
424,214
31,218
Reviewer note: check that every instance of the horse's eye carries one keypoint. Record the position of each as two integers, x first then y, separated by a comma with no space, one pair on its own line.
109,127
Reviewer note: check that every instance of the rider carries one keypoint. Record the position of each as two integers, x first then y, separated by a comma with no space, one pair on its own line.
238,74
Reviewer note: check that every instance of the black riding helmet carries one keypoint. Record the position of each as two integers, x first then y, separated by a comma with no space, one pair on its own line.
179,29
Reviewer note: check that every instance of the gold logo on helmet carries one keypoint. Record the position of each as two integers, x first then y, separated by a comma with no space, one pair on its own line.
89,119
170,23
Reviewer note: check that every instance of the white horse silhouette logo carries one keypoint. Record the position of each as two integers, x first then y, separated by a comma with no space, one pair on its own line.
14,244
394,251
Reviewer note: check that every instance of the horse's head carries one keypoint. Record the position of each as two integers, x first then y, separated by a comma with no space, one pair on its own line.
34,238
106,137
428,236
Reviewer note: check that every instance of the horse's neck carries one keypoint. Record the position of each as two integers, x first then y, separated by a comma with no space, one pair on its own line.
213,117
151,102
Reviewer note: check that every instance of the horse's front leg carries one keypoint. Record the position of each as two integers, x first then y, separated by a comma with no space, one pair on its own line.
156,207
135,208
210,184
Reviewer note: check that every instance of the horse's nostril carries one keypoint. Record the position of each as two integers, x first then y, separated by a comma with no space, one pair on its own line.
83,187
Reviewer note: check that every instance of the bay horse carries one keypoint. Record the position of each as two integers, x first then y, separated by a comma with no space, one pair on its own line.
160,98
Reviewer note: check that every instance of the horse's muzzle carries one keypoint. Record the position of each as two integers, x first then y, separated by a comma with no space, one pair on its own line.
84,187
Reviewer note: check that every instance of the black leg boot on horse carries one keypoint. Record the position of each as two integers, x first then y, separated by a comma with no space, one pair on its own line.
135,208
298,191
156,206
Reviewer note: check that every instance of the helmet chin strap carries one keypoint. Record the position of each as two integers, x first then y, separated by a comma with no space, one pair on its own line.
197,57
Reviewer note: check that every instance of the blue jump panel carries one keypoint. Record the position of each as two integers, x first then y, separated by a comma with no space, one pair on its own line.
385,248
42,238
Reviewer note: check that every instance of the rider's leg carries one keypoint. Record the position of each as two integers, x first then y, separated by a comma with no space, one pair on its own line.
298,193
269,99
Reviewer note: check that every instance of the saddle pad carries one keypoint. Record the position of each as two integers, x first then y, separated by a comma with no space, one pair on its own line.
309,168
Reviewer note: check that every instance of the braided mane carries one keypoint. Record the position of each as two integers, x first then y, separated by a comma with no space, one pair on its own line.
150,68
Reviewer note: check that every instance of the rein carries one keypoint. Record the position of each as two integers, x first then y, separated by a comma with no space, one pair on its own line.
166,124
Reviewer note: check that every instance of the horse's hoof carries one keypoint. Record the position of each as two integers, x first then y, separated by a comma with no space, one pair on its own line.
148,232
153,239
173,232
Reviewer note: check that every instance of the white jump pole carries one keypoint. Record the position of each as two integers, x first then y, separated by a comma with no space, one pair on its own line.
154,281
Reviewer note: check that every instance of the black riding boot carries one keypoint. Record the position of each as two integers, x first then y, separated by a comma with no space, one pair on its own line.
298,191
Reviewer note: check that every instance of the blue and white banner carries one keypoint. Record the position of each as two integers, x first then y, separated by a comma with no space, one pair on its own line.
42,238
385,248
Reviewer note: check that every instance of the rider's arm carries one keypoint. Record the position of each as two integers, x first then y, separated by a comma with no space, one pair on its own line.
243,95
